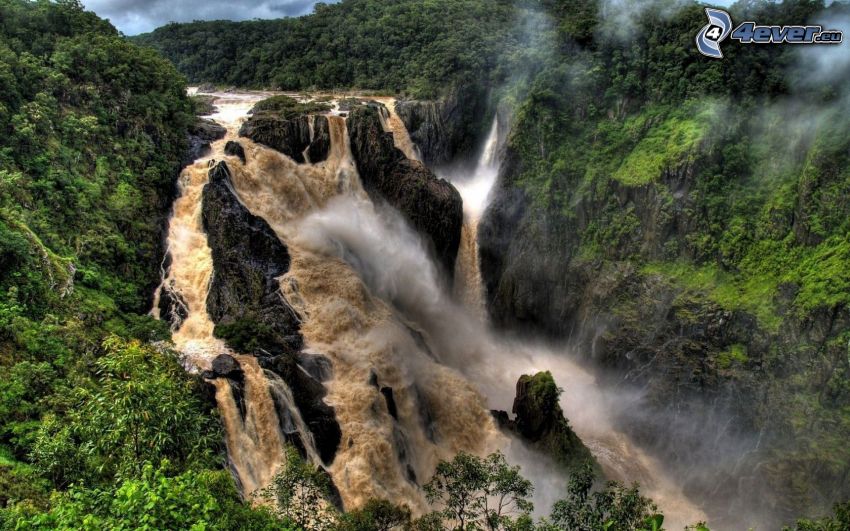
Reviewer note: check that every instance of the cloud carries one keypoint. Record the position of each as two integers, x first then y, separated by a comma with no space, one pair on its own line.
139,16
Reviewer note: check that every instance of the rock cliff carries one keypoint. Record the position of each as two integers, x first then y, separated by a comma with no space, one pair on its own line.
431,205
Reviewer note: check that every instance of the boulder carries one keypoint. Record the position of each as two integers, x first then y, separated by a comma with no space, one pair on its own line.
226,366
288,136
235,149
431,205
200,135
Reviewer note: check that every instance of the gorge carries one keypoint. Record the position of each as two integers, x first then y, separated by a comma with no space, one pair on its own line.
380,318
399,257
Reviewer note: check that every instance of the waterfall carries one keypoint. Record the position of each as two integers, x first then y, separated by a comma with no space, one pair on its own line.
392,122
372,302
253,437
475,190
372,346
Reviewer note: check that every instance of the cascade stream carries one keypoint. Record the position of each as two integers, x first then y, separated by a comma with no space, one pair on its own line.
372,302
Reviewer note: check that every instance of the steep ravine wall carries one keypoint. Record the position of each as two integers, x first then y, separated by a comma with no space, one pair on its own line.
447,129
713,408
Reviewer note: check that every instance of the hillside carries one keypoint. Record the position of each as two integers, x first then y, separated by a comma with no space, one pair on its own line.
689,219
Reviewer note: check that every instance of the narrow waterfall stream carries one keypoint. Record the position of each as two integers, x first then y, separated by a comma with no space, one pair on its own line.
372,302
587,406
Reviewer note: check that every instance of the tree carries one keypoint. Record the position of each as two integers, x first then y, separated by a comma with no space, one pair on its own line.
142,409
299,493
614,508
839,521
376,515
477,493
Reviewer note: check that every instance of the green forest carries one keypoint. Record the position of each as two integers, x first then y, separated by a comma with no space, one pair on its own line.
100,426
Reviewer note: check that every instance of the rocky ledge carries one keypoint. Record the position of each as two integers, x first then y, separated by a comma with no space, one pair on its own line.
200,135
291,136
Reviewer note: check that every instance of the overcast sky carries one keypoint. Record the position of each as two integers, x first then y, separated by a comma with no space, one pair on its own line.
139,16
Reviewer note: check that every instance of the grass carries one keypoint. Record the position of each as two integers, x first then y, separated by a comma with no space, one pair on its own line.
737,354
752,294
666,144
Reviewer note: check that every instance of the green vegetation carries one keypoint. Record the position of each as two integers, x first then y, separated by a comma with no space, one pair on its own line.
720,194
476,493
403,46
300,493
469,493
615,507
289,108
839,521
723,183
98,428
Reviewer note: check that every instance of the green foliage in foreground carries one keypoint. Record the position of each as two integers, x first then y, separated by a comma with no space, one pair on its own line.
470,493
156,499
839,521
98,429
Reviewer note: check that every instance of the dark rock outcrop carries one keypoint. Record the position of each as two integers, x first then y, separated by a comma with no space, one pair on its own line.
444,129
431,205
235,149
226,366
320,147
290,136
201,134
389,398
541,422
308,394
172,307
244,298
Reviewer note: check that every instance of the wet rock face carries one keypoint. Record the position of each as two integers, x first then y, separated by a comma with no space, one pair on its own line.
431,205
226,366
200,135
251,314
308,393
320,147
445,128
541,422
244,298
290,136
172,307
235,149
